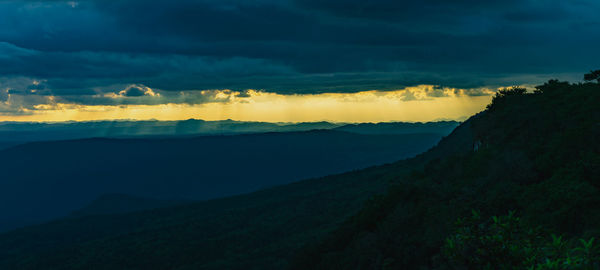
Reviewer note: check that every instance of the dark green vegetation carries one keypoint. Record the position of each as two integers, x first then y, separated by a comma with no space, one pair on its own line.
491,195
506,242
536,154
47,180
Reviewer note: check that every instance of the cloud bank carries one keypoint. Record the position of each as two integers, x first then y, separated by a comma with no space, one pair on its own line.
93,52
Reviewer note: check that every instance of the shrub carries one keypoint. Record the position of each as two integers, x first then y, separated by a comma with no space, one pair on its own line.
506,242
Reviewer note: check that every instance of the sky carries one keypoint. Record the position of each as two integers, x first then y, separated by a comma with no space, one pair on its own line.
283,60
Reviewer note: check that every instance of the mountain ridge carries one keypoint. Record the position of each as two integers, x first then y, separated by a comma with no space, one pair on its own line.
51,179
12,133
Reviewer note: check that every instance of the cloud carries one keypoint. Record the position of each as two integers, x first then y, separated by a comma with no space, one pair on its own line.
409,104
288,46
137,91
4,95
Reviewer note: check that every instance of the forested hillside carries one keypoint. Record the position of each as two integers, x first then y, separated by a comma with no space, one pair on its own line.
526,197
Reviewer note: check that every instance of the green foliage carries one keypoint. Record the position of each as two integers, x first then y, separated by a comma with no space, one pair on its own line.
515,90
495,243
551,86
506,242
505,93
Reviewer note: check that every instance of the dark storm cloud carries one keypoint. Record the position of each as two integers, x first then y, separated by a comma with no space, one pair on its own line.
429,11
292,46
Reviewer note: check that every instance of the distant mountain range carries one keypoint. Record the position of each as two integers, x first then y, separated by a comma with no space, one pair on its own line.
45,180
14,133
443,127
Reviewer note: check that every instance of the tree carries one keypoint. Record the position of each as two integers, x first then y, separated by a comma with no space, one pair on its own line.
506,92
593,75
512,91
552,86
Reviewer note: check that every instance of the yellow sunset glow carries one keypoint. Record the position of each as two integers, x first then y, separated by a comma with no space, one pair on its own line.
413,104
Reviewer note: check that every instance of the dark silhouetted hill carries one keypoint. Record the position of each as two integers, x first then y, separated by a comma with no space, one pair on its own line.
14,133
45,180
527,195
